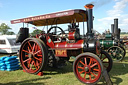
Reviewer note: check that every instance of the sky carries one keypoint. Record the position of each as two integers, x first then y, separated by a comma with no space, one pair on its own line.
104,12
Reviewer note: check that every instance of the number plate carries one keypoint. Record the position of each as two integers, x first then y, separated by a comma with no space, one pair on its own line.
61,53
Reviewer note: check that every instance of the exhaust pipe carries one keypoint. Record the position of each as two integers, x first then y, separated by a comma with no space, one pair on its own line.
116,28
89,8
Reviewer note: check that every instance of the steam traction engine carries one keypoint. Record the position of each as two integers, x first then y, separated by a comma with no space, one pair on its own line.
112,42
55,47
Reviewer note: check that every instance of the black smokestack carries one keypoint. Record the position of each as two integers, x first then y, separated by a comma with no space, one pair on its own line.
118,36
89,8
116,28
112,28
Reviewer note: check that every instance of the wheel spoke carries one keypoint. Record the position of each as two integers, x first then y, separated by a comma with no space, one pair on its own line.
35,65
80,67
33,48
25,51
30,67
96,69
31,64
93,65
26,60
90,77
30,45
85,61
90,61
29,49
39,55
104,58
93,74
84,75
82,63
122,53
81,72
37,59
37,52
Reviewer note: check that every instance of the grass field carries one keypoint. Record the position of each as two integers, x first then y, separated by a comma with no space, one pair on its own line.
124,35
64,76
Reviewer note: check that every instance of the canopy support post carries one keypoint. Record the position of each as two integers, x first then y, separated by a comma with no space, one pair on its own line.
83,25
23,24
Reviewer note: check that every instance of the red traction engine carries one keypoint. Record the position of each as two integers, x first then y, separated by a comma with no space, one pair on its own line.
54,49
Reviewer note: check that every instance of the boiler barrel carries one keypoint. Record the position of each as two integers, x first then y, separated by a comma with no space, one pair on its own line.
107,43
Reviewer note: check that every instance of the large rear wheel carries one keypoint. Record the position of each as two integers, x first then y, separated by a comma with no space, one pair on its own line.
33,55
106,60
87,68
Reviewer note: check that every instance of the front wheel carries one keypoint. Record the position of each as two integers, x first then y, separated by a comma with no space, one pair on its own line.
88,67
33,55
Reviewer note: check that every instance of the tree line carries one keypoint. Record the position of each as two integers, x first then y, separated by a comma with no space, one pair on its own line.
5,30
124,33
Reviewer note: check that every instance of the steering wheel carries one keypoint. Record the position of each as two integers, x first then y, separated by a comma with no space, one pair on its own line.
55,27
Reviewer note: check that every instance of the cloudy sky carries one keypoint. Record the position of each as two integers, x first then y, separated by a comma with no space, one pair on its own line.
104,11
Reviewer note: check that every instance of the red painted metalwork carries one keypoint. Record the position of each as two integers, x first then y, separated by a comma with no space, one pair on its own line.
71,35
66,45
40,74
88,72
89,6
50,42
127,43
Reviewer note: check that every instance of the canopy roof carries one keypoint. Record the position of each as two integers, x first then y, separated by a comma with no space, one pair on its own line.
54,18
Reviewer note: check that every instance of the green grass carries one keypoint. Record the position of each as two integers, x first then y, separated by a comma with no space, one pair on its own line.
64,76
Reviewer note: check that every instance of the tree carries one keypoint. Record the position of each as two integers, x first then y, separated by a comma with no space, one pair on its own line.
4,29
37,31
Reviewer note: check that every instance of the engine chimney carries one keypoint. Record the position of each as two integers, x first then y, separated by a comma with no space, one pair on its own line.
118,36
89,8
116,28
112,29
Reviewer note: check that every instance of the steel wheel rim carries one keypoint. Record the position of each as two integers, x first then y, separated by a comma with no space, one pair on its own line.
31,56
91,69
